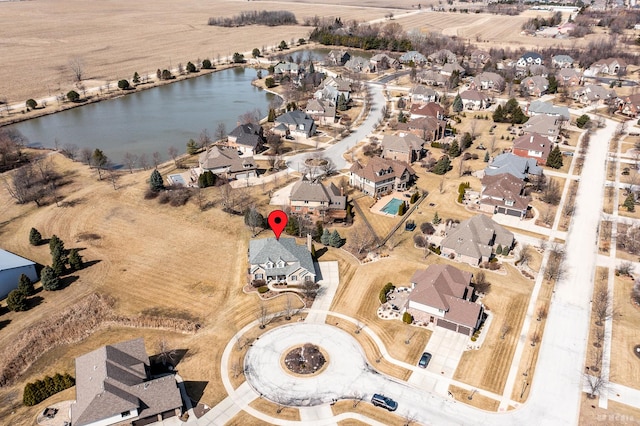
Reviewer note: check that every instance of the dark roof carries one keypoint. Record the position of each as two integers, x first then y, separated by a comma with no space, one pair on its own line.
113,379
270,249
504,186
225,158
379,169
303,190
248,134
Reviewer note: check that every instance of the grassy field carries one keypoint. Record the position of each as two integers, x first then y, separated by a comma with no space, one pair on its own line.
625,367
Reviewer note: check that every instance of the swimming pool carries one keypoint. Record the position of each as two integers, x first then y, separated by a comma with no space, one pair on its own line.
392,206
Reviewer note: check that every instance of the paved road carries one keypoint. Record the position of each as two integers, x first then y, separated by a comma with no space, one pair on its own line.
335,152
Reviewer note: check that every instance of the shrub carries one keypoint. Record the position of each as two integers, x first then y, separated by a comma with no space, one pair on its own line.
31,103
402,209
407,318
38,391
269,82
258,283
35,237
419,241
474,338
435,249
263,289
427,228
191,67
388,287
73,96
123,84
206,64
414,197
150,194
164,198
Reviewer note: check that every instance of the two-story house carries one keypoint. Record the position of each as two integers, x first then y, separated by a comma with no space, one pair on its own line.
225,162
504,194
246,138
533,145
280,260
381,176
316,199
405,147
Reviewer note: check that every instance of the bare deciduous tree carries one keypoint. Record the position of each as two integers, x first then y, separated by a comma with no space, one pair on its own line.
173,153
204,140
541,313
360,239
157,159
221,133
597,385
481,285
535,338
524,254
602,304
143,161
76,66
504,330
130,160
357,399
263,316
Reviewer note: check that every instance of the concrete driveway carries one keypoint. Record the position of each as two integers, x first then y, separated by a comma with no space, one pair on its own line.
446,348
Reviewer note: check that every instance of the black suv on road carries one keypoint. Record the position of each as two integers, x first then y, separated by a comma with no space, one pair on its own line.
384,402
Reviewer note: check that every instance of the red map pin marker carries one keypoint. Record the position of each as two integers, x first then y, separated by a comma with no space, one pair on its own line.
277,221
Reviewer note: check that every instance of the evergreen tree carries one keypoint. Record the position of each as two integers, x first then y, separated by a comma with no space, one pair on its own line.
206,64
17,301
486,156
319,231
401,209
498,114
554,160
342,102
518,117
50,280
401,117
414,197
436,219
582,121
57,263
313,251
192,147
454,150
272,115
191,67
136,78
25,286
156,183
293,227
457,104
35,237
499,249
466,142
629,203
336,239
553,84
55,243
312,69
325,238
99,161
442,166
75,260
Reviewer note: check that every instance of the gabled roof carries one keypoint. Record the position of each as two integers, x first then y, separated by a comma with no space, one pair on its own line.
247,134
421,89
325,107
339,83
472,237
113,379
505,187
304,190
489,76
413,55
430,109
286,67
406,142
533,142
542,124
379,169
450,67
442,55
547,108
531,55
357,63
474,96
272,250
297,118
519,167
563,59
220,157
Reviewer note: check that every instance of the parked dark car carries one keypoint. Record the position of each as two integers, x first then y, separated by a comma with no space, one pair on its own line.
424,360
384,401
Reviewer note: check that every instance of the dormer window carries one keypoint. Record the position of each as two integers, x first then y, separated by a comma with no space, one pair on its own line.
280,264
269,265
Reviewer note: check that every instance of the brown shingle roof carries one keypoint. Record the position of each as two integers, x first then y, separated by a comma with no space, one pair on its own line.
506,187
533,142
379,169
430,109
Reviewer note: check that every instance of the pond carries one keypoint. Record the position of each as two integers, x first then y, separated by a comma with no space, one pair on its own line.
153,120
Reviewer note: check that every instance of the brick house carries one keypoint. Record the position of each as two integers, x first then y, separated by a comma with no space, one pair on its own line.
405,147
504,194
533,145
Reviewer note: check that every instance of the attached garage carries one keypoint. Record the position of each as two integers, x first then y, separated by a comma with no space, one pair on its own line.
448,325
11,267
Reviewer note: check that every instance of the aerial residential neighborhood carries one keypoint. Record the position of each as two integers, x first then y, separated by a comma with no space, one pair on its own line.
241,213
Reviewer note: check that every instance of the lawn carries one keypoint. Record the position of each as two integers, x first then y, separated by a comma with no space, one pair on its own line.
625,366
476,400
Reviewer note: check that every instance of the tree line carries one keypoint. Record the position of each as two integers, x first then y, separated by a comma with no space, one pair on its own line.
366,37
272,18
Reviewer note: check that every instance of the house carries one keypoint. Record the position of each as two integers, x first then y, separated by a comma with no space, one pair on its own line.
533,145
413,56
520,167
337,57
426,128
442,56
280,260
430,109
422,93
535,85
547,108
342,86
358,64
11,267
113,385
451,67
562,61
609,66
382,61
246,138
488,81
630,105
226,162
544,125
479,57
442,294
321,111
295,123
432,78
528,59
286,68
474,240
568,77
504,194
540,70
381,176
405,147
593,94
318,200
475,99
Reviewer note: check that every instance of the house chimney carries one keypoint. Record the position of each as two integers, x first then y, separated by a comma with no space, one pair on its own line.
531,139
309,242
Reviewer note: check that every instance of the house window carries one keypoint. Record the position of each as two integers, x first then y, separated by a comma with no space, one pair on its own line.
259,276
280,264
269,265
294,278
298,208
509,203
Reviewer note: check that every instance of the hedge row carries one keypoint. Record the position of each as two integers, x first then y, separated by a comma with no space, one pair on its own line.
40,390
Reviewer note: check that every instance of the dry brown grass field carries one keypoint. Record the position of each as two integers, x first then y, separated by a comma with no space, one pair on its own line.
615,414
367,409
625,366
477,400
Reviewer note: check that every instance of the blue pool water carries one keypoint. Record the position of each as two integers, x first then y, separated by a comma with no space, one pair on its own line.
392,206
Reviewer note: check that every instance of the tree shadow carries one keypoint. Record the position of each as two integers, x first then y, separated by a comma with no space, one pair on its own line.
67,281
195,390
166,362
321,251
34,301
4,323
73,203
90,263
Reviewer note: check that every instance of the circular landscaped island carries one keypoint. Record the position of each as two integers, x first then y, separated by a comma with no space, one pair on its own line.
306,359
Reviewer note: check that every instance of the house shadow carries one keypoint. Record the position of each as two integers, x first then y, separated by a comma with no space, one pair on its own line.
4,323
195,390
320,252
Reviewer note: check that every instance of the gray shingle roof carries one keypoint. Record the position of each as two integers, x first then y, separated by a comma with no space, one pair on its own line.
304,190
402,143
247,134
547,108
272,250
112,380
519,167
217,158
472,237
